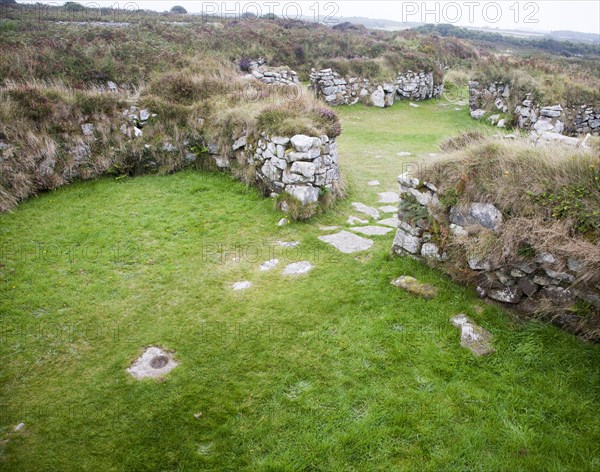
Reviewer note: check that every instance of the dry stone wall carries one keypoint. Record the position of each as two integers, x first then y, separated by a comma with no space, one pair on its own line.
546,123
525,283
301,166
334,89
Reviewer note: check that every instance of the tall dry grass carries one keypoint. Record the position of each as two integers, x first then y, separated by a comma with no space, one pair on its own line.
549,195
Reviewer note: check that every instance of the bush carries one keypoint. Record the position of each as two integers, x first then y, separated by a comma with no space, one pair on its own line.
178,9
245,64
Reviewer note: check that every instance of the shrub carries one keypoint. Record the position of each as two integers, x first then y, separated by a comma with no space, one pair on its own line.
178,9
245,64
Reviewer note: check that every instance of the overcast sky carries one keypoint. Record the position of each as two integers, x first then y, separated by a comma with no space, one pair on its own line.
545,15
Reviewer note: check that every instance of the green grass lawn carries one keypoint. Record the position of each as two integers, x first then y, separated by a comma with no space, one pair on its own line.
335,370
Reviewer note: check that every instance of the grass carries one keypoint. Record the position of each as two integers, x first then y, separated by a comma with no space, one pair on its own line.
400,128
336,370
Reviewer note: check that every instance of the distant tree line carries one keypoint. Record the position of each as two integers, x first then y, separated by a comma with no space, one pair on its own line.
563,48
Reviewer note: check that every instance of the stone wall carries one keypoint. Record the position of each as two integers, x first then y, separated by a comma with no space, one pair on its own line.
547,123
337,90
523,283
418,86
302,166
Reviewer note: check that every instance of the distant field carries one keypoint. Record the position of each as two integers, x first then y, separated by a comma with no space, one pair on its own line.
335,370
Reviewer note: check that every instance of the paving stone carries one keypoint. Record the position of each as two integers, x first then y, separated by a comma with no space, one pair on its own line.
371,230
373,183
241,285
391,222
269,265
287,243
353,220
388,209
347,242
367,210
404,154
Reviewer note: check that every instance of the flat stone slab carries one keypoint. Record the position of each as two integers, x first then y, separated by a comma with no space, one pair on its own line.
412,285
404,154
371,230
367,210
153,363
373,183
388,197
472,336
298,268
353,220
391,222
269,265
241,286
347,242
388,209
414,105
